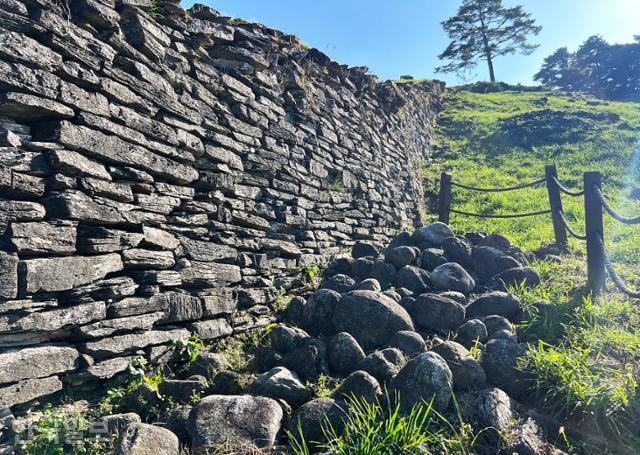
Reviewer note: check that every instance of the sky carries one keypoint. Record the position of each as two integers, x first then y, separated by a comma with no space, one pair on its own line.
404,37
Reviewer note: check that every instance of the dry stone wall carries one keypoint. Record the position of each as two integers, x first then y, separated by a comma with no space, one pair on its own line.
163,171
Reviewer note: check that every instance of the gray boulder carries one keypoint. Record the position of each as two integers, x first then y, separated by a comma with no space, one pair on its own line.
280,383
370,284
363,249
471,332
495,323
502,361
425,378
433,234
284,338
494,303
409,343
452,277
489,410
371,317
361,269
402,239
143,439
359,384
383,365
435,312
489,261
518,275
312,419
344,353
432,258
207,364
467,371
496,241
317,314
414,279
339,283
458,249
309,359
239,420
454,295
400,256
385,273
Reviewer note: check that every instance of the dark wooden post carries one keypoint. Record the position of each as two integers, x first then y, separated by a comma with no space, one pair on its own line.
555,203
444,204
594,231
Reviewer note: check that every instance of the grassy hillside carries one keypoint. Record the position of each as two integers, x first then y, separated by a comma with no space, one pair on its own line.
585,353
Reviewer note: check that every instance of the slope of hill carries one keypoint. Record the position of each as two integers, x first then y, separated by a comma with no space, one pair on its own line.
585,353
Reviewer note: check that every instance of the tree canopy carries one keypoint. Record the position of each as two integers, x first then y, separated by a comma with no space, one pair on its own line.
597,67
483,30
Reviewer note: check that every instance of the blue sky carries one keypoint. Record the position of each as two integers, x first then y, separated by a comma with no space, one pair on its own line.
396,37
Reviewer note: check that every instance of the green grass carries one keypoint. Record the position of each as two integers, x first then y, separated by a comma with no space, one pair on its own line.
585,354
381,429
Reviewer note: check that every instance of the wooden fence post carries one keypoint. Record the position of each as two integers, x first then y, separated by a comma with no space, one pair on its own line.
444,203
555,203
594,231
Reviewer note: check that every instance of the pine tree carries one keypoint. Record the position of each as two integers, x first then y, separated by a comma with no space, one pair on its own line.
484,30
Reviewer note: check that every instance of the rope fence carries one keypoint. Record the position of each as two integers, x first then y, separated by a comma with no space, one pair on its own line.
595,203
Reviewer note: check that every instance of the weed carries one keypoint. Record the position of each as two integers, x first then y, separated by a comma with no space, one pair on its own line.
189,348
323,386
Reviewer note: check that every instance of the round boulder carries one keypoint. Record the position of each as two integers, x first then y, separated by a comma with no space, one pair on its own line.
432,311
143,439
280,383
383,365
409,343
452,277
467,371
494,303
458,249
344,353
359,384
385,273
489,261
414,279
315,417
370,284
423,379
364,249
339,283
309,359
241,420
317,313
371,317
284,338
471,332
518,275
433,234
432,258
400,256
501,361
362,268
495,323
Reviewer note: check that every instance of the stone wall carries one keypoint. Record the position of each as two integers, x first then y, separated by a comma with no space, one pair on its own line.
164,171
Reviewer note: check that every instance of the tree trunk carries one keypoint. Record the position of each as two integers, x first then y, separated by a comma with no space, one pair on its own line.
492,75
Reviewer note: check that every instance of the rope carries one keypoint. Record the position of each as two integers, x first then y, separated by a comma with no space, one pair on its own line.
486,215
566,190
569,228
495,190
614,276
611,210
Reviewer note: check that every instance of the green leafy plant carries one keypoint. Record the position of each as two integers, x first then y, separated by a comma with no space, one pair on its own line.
189,348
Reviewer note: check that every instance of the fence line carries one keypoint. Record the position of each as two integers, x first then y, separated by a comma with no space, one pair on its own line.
598,262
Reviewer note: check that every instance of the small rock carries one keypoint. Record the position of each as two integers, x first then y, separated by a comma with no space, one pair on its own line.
393,294
280,383
490,411
176,421
385,273
494,303
453,295
295,309
309,359
458,249
452,277
207,364
505,335
228,382
116,423
435,312
362,268
425,378
344,353
240,420
409,343
496,241
467,371
501,361
143,439
400,256
402,239
489,261
495,323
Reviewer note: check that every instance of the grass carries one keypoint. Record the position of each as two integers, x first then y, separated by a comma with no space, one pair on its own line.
381,429
584,353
